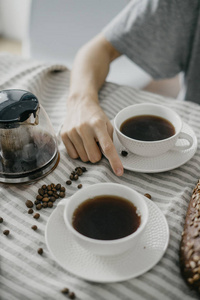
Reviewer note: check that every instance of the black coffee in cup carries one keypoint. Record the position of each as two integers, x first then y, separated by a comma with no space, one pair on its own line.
147,128
106,218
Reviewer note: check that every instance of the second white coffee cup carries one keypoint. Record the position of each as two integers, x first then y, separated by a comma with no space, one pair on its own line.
152,148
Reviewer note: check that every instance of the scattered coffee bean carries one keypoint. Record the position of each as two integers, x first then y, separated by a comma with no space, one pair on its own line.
1,220
39,197
37,202
44,187
41,192
76,177
29,203
124,153
62,194
6,232
62,189
79,171
38,206
30,211
50,204
34,227
71,177
45,205
36,216
65,291
79,186
147,195
71,295
83,169
45,199
48,187
52,199
68,182
40,251
58,186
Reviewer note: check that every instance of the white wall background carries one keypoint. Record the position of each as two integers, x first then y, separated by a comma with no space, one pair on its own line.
14,18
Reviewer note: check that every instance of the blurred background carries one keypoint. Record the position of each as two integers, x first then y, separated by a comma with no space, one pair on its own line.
53,30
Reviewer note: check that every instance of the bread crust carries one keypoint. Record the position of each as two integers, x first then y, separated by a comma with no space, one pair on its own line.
190,242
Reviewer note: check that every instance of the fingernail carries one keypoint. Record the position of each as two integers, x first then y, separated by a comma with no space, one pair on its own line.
119,172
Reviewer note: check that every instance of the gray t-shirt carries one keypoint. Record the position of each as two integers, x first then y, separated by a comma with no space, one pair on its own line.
162,37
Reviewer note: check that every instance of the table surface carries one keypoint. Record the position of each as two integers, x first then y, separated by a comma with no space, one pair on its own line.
27,275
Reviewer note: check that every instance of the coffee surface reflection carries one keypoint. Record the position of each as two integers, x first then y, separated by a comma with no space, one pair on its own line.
147,128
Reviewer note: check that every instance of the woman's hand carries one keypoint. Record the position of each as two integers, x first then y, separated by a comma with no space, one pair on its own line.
85,125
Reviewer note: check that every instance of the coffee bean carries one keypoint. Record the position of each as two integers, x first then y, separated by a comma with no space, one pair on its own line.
65,291
124,153
54,190
50,204
41,192
62,189
68,182
6,232
79,171
58,186
72,295
83,169
30,211
34,227
55,195
44,187
52,199
45,204
37,202
53,185
50,193
1,220
71,177
79,186
39,197
45,199
76,177
46,195
29,203
62,194
39,206
147,195
49,188
36,216
40,251
73,173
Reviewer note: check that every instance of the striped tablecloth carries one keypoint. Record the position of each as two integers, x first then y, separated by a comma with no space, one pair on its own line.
27,275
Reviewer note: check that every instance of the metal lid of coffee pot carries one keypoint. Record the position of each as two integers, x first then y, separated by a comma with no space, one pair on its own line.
16,106
28,145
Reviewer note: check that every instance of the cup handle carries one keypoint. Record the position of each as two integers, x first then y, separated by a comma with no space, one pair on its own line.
185,136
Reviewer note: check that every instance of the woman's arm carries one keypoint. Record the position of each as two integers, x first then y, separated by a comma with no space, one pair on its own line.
86,123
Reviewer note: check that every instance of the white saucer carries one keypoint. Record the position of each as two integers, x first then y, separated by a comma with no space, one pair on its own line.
82,263
165,162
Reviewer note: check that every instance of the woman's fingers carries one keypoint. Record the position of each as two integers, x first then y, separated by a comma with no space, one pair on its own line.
109,150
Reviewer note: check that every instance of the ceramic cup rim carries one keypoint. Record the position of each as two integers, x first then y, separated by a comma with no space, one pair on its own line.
106,242
145,105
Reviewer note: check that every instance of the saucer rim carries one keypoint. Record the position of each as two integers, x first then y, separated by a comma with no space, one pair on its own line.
114,279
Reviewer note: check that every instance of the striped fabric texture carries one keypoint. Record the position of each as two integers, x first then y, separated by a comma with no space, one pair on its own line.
26,275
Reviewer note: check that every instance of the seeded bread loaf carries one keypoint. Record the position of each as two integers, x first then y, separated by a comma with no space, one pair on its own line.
190,242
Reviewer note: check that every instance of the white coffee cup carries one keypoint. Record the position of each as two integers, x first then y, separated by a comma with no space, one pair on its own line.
152,148
105,247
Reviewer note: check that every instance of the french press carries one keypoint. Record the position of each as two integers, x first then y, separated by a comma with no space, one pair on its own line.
28,145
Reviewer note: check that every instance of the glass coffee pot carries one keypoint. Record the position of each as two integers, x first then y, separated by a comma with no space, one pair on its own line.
28,145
